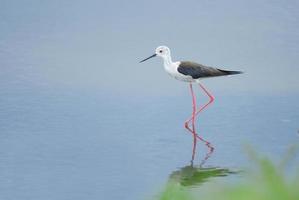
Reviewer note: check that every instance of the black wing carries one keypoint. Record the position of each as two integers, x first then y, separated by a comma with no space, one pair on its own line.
200,71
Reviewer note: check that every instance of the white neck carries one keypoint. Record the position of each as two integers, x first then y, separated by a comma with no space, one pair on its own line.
167,60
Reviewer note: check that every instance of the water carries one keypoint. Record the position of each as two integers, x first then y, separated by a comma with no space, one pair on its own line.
62,143
80,118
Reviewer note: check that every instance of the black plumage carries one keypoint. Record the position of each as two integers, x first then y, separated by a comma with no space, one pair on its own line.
196,70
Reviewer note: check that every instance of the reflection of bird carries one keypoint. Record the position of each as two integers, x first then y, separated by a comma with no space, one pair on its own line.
192,176
191,72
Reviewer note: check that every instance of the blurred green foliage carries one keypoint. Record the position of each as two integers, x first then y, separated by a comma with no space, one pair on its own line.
266,181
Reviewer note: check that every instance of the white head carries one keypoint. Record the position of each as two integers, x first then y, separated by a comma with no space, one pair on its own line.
161,51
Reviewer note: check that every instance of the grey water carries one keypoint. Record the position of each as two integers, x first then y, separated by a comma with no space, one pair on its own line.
75,144
80,118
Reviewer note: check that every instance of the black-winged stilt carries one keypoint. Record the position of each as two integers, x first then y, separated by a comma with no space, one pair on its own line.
191,72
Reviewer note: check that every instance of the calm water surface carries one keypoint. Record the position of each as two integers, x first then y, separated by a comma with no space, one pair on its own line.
64,144
63,136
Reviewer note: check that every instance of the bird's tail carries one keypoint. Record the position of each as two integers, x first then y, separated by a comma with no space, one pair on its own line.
230,72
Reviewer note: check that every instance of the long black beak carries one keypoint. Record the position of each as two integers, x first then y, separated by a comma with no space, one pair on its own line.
148,58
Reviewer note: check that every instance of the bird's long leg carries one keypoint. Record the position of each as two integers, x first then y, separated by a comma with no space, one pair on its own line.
190,119
211,99
193,123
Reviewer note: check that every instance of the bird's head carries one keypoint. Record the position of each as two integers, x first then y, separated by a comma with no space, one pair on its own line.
161,51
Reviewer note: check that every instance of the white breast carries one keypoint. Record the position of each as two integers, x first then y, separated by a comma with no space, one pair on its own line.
172,70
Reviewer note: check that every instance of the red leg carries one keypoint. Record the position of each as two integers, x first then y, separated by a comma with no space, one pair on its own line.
203,107
193,123
193,116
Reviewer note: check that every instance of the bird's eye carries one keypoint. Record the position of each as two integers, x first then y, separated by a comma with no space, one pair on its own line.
160,51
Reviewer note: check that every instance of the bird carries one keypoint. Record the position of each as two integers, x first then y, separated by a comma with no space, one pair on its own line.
192,73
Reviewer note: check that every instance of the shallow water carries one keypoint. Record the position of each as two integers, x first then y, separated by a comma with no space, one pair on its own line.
71,126
73,144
